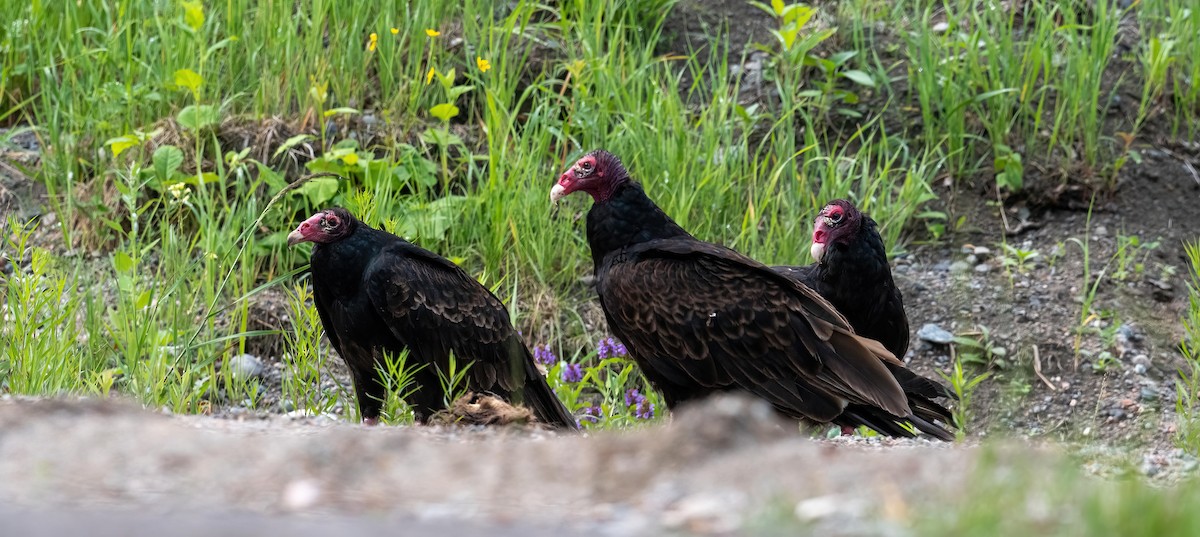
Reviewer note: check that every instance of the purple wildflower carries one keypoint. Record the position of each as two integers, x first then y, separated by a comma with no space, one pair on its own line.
543,355
572,373
611,348
592,413
632,397
645,409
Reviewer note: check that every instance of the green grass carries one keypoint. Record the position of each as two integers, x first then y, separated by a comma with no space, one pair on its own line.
1019,498
170,132
1187,397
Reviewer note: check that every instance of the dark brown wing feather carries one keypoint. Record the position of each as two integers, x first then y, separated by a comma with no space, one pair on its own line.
697,313
436,308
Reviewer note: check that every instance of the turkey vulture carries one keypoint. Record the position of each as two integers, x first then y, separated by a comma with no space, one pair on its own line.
852,272
700,318
378,293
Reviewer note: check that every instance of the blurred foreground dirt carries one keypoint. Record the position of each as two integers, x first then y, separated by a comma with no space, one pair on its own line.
74,467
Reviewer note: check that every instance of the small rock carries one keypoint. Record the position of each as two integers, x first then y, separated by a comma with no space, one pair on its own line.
983,268
301,494
941,266
1126,331
821,507
972,259
244,366
706,513
1148,394
935,334
1139,369
940,27
1114,101
959,267
1100,231
983,252
1149,467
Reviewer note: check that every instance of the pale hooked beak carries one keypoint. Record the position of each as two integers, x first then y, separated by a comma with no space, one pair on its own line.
557,193
817,250
295,237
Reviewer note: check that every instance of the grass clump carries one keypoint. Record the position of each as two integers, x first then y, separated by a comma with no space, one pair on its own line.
1187,399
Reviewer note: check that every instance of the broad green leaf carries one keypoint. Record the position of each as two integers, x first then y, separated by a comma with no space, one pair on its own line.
440,137
348,143
193,14
292,142
842,57
859,77
319,190
456,91
122,262
197,117
119,144
444,111
274,179
143,300
167,160
777,5
187,78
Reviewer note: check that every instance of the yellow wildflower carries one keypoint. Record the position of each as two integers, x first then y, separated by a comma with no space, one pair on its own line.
374,40
432,33
483,64
429,76
395,31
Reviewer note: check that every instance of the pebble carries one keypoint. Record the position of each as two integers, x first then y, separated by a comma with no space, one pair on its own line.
983,268
706,513
983,252
935,334
821,507
301,494
941,266
244,366
959,267
1148,394
1149,467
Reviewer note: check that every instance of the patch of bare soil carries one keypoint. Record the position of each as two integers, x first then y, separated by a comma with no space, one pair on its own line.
1119,386
716,469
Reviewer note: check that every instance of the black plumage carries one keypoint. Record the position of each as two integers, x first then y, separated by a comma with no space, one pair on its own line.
700,318
378,293
852,272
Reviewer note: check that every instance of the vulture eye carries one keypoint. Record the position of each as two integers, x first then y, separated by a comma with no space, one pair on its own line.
329,222
835,216
585,167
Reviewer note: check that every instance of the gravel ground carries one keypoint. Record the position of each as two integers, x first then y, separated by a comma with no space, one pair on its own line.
719,468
